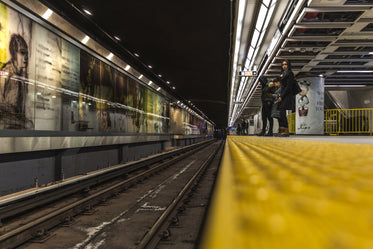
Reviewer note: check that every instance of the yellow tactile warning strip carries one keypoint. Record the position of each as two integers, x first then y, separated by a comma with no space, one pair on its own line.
275,193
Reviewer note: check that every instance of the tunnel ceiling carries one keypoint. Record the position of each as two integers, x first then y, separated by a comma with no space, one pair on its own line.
187,42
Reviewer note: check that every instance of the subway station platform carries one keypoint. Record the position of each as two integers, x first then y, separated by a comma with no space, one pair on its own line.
293,193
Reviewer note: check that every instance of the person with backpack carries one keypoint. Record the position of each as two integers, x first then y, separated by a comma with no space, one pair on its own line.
286,101
267,102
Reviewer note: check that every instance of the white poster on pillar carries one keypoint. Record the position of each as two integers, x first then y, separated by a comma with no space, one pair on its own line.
310,106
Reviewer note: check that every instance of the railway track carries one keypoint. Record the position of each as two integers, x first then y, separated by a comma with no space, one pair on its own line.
32,216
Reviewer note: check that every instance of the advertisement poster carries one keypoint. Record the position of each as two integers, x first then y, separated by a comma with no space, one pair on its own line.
48,71
120,93
89,88
70,66
310,106
16,88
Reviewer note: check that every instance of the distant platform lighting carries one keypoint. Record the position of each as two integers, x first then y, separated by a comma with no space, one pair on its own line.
136,54
87,12
85,40
173,87
150,82
127,67
167,82
158,88
117,38
345,85
140,76
149,66
47,14
159,75
357,71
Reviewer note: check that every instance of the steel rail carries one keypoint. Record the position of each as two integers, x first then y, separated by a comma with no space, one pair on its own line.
153,236
42,224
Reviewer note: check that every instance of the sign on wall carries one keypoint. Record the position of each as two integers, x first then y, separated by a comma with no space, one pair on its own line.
310,106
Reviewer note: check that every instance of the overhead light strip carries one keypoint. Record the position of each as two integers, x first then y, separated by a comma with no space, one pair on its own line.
240,17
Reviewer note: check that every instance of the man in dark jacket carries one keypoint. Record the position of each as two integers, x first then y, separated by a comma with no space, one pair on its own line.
286,101
267,102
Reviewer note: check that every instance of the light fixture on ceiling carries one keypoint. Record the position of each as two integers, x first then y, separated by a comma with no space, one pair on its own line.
110,56
140,76
150,82
127,67
167,82
87,12
315,50
149,66
159,75
173,87
47,14
302,50
158,88
321,75
136,54
357,71
345,85
117,38
370,52
85,39
291,50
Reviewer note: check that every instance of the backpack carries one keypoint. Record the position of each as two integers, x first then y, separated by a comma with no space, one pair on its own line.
296,88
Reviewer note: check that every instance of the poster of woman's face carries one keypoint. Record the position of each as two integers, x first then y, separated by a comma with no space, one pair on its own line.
15,55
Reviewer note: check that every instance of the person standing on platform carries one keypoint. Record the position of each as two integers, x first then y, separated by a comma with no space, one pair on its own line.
244,126
286,101
267,102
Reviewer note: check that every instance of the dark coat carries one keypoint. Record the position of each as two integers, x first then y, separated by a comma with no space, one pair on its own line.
287,89
266,90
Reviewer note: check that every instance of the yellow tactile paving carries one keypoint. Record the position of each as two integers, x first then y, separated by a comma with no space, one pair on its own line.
275,193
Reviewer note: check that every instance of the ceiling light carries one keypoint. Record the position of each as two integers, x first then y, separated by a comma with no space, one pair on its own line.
87,12
345,85
85,40
370,52
158,88
150,82
109,56
149,66
167,82
47,14
117,38
302,50
127,67
54,96
357,71
137,55
160,75
38,93
173,87
291,50
321,75
140,76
